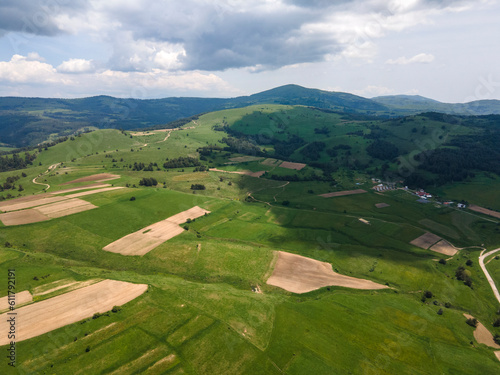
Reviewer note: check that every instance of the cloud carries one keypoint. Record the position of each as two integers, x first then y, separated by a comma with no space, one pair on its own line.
76,66
424,58
36,17
22,69
23,74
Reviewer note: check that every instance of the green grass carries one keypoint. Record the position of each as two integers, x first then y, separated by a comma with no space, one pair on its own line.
200,310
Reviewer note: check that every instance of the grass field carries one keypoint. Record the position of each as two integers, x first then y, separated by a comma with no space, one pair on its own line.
208,308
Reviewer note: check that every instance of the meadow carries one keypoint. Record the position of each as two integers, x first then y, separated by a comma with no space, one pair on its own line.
201,313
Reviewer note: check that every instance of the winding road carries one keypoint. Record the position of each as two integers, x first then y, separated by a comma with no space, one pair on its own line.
50,169
488,277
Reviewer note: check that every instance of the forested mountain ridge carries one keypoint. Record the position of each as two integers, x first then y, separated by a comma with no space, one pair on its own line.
30,121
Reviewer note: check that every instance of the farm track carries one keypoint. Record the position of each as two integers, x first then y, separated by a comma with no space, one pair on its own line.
50,169
487,274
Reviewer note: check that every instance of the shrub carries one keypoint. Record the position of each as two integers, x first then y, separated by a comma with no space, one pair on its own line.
285,203
87,349
428,294
472,322
469,263
496,323
442,261
115,309
447,305
496,338
198,187
440,312
132,198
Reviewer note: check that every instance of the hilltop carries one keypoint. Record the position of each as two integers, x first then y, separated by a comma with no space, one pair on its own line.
30,121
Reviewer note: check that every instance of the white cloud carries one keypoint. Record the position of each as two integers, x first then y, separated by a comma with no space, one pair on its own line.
76,66
22,69
424,58
23,74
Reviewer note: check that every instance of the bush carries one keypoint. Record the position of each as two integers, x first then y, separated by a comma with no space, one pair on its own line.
148,181
87,349
442,261
469,263
115,309
198,187
428,294
496,323
132,198
285,203
440,312
496,338
447,305
472,322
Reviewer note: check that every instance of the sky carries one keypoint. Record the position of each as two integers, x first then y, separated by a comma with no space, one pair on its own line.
445,50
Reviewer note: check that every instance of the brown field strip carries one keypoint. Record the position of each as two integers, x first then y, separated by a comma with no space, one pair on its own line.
94,177
482,335
243,159
84,193
444,247
28,198
22,217
146,239
342,193
45,316
193,213
85,187
382,205
485,211
426,240
66,284
299,274
21,298
290,165
65,208
15,206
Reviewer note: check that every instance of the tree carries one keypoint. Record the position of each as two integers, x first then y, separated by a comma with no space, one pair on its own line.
472,322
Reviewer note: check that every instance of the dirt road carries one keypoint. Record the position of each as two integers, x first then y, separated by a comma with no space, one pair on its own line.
488,277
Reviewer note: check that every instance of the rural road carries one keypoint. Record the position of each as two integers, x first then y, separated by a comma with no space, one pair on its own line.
51,168
488,277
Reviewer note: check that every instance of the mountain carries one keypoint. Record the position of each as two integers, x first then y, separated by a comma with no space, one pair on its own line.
413,104
30,121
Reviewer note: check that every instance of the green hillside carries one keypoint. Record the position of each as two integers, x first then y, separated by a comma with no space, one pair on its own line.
208,308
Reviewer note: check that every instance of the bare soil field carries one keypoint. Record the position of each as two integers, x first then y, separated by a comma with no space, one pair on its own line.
382,205
45,316
146,239
497,354
84,193
342,193
444,247
94,177
66,284
14,206
482,335
243,159
299,274
290,165
257,174
85,187
485,211
28,198
426,240
248,173
193,213
21,298
65,208
22,217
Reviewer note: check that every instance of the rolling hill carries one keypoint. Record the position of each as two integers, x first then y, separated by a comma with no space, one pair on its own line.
30,121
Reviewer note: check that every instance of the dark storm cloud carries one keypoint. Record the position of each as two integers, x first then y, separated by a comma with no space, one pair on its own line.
35,17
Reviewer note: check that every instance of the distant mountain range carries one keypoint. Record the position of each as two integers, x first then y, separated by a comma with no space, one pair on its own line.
29,121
